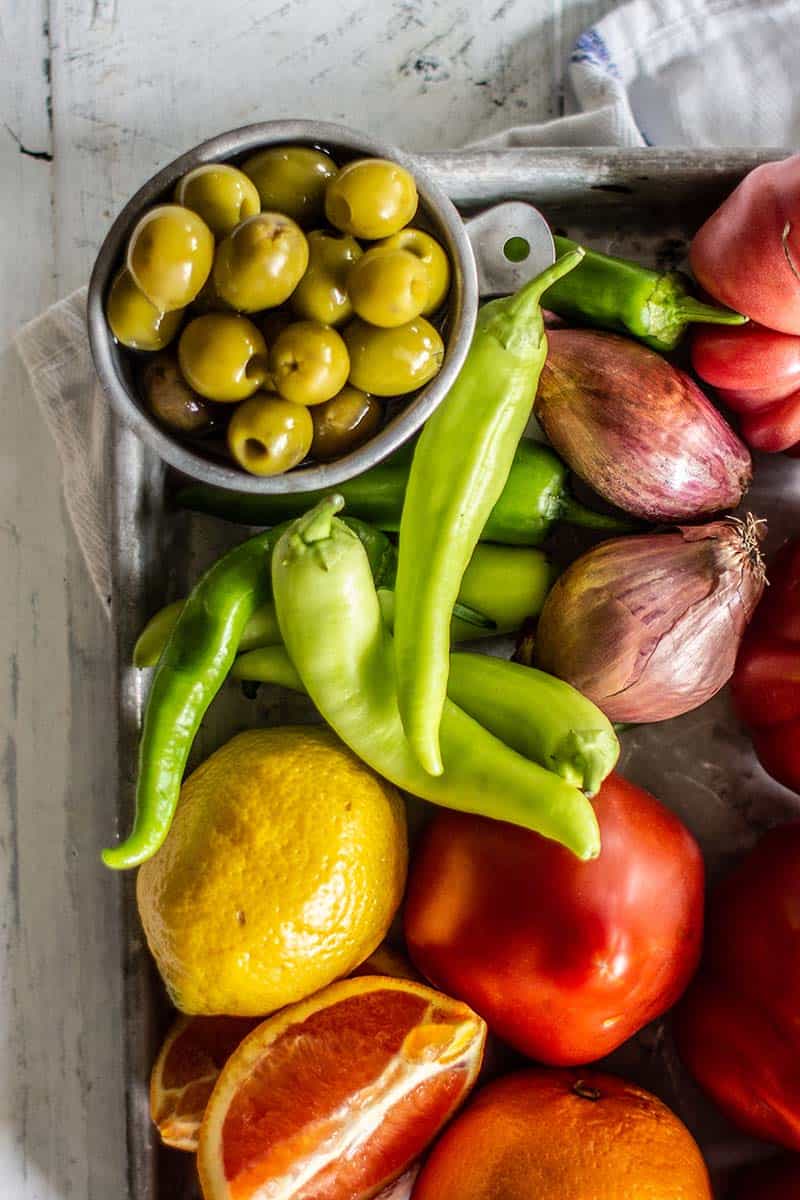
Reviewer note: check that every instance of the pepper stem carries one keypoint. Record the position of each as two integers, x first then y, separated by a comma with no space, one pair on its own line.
315,525
689,309
575,513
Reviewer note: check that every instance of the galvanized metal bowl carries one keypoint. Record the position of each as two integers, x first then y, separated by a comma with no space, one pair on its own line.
114,364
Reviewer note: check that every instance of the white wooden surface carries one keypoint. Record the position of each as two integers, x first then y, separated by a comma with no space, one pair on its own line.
103,92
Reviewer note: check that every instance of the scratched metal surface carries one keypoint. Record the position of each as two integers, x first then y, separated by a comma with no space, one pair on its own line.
642,203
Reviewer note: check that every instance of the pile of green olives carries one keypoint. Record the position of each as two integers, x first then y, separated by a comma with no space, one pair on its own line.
280,302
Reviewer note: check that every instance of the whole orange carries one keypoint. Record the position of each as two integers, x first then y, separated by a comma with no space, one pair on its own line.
565,1135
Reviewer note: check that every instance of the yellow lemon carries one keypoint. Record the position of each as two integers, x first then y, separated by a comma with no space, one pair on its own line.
282,871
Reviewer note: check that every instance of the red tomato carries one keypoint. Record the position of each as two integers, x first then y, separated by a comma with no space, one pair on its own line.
757,374
737,1028
747,255
747,358
565,960
778,1179
774,428
765,685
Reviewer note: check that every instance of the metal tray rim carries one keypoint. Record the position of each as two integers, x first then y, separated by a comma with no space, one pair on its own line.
471,178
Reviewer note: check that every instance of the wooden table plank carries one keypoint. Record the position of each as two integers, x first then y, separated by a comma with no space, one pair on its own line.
131,85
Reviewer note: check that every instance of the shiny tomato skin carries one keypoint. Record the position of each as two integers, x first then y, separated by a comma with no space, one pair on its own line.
777,1179
766,682
775,427
747,254
737,1027
778,611
747,357
565,960
750,400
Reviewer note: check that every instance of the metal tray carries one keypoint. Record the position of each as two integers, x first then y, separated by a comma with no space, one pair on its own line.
645,204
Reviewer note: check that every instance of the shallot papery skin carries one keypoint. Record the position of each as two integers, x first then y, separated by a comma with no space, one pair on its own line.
648,626
640,432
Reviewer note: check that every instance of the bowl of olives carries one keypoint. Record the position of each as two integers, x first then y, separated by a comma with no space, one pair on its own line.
283,306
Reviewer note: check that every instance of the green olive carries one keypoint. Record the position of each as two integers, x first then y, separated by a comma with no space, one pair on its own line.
170,254
268,435
291,180
371,198
388,287
344,423
261,263
309,363
223,356
392,362
170,399
208,299
321,295
221,194
134,321
429,252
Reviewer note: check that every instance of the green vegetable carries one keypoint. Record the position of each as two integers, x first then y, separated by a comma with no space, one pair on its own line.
268,664
501,588
612,293
153,638
195,661
460,467
332,628
261,630
541,717
535,496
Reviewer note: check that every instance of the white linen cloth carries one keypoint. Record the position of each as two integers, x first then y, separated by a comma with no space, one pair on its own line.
665,72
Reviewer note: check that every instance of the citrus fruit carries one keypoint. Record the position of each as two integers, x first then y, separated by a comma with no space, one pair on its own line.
565,1135
338,1095
282,871
196,1049
194,1052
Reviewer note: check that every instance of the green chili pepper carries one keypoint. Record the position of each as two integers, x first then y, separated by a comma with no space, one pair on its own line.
261,630
196,659
539,716
460,467
613,293
535,496
193,666
268,664
332,628
501,588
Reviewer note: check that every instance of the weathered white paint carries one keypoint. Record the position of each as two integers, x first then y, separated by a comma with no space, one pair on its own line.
131,84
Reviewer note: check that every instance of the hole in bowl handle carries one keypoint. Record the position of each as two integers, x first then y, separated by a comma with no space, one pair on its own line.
501,270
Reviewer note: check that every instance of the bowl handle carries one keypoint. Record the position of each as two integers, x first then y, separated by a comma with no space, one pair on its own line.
512,243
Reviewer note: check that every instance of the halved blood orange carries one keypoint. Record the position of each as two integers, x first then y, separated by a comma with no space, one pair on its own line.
194,1052
196,1049
337,1095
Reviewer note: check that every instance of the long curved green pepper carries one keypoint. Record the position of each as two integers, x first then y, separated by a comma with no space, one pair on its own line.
193,665
195,662
460,467
341,652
